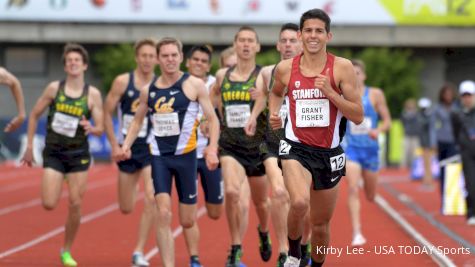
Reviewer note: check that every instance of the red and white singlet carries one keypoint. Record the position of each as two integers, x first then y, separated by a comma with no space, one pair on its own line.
313,119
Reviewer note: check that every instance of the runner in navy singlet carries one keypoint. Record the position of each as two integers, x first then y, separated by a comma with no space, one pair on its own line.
173,101
124,95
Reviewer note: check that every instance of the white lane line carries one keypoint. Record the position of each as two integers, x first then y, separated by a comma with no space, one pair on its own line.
435,254
87,218
37,201
176,232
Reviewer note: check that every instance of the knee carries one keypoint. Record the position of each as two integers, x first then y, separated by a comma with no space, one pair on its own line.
353,190
164,215
262,203
187,222
49,205
75,204
299,207
126,209
232,195
214,214
280,196
370,197
320,229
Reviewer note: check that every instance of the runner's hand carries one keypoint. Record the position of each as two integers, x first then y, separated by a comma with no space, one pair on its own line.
255,94
322,82
86,125
373,134
275,121
14,124
211,157
28,158
124,153
250,127
116,153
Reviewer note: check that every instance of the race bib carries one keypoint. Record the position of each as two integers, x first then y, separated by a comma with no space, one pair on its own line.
166,124
65,124
362,128
312,113
237,115
283,114
127,120
338,162
284,148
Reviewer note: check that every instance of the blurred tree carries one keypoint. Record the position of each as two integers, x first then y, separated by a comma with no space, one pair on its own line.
396,72
113,60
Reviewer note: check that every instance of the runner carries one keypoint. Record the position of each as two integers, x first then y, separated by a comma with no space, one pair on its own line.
321,94
362,150
198,64
125,93
239,154
66,154
174,100
288,46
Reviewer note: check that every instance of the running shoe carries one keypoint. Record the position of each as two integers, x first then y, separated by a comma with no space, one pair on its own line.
281,259
234,258
306,251
358,240
292,262
195,262
68,260
265,245
138,260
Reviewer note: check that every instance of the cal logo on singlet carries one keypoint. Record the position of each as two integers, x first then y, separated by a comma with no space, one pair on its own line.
174,119
313,119
128,105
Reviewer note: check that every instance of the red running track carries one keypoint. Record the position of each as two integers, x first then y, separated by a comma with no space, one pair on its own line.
31,236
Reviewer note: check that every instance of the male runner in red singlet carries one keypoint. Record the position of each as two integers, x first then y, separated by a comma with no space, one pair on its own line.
321,93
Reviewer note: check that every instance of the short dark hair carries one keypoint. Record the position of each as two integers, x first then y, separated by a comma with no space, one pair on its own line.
74,47
246,28
316,13
289,26
207,49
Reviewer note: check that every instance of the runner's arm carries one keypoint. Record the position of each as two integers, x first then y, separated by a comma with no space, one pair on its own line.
96,113
41,104
383,111
276,96
112,99
14,84
350,104
136,123
211,151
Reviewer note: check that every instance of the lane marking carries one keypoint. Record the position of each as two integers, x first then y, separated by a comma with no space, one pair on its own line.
436,256
85,219
408,202
37,201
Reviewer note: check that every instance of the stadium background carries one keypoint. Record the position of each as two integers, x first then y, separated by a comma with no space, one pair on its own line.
436,35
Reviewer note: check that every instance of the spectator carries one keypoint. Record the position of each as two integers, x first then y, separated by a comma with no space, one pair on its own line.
463,123
426,140
411,132
443,127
